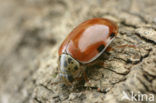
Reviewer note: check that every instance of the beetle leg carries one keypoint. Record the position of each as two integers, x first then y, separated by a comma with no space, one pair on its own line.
85,76
121,46
126,45
97,62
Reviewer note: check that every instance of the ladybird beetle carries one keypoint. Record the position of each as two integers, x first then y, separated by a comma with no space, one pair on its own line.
84,45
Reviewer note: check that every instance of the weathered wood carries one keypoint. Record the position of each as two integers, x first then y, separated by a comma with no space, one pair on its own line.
32,30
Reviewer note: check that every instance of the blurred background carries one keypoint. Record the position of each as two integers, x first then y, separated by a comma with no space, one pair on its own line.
29,28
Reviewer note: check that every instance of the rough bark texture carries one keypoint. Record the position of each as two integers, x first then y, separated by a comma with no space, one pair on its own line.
32,30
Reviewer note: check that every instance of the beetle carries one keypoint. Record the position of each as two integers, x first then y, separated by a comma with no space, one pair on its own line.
84,45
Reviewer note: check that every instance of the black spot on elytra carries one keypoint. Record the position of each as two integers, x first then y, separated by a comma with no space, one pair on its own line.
76,68
100,48
65,64
112,35
69,60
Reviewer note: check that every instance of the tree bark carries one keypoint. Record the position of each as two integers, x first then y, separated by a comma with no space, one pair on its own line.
32,30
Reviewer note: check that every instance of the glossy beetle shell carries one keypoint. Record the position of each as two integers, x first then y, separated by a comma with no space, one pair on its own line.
89,39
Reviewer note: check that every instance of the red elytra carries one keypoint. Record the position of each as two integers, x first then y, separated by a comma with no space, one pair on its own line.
89,39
